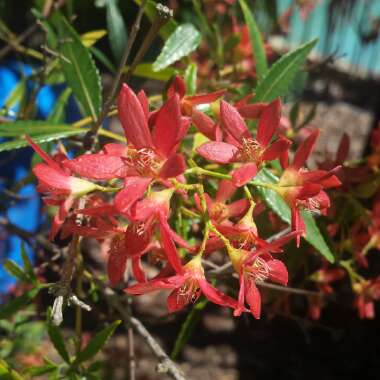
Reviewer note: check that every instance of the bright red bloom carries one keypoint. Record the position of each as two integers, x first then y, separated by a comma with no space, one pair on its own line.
257,266
218,209
303,189
241,146
187,285
59,186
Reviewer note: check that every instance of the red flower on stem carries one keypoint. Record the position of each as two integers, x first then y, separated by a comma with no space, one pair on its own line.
241,146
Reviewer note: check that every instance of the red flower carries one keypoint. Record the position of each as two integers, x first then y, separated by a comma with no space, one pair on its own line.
241,146
303,189
257,266
218,208
187,285
60,188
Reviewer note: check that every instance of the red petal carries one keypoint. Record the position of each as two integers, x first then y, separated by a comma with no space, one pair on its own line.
278,271
97,166
244,174
232,122
173,167
141,96
304,150
219,152
276,150
309,190
253,298
43,154
138,272
53,178
204,124
298,225
114,149
251,111
136,241
240,307
168,125
155,284
116,266
133,119
268,123
177,86
177,301
238,207
205,98
225,191
169,247
60,217
343,149
134,188
215,295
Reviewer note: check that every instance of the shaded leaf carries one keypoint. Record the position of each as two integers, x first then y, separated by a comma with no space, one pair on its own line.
58,342
258,49
14,270
280,76
145,70
96,343
28,267
58,113
185,39
41,138
15,304
117,32
191,78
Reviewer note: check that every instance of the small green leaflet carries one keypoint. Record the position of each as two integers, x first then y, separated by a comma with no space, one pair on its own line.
96,343
79,69
14,305
185,39
277,204
258,48
58,342
279,77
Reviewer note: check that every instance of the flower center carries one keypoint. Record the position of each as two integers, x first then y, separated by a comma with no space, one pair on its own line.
219,211
259,270
252,150
188,292
145,161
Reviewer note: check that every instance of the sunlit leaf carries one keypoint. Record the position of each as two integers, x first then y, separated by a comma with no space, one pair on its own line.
185,39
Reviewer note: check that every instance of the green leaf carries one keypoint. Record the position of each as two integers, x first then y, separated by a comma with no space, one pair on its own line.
191,78
32,128
79,69
14,270
182,42
28,267
280,76
41,370
58,113
150,11
16,304
7,373
188,327
145,70
58,342
315,238
271,198
96,343
258,48
279,206
16,95
41,138
117,32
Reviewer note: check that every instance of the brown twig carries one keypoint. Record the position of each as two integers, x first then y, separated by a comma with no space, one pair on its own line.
90,137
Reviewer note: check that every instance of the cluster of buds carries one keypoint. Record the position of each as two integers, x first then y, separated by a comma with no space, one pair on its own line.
130,195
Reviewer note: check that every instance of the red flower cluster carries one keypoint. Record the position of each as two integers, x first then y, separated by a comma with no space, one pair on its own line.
155,188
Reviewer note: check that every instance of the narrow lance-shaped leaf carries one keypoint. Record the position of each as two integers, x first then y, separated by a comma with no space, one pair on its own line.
28,267
276,82
58,342
191,78
58,113
79,69
278,205
14,305
185,39
96,343
117,32
14,270
258,49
